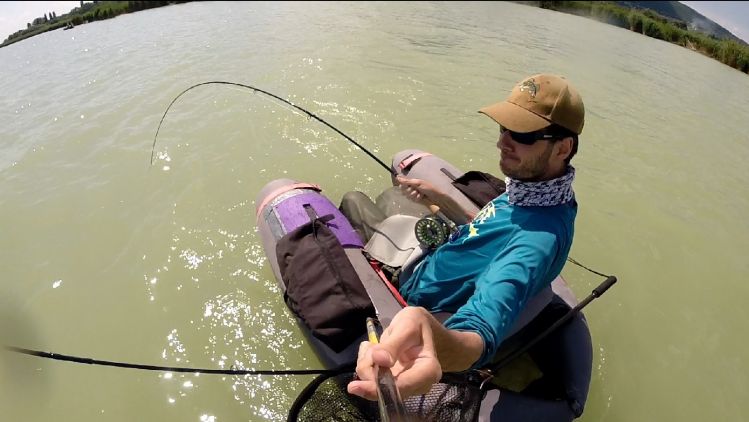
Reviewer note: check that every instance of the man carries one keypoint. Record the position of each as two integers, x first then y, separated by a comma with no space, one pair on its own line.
511,249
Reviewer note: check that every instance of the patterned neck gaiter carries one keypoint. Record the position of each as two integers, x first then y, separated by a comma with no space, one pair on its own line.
541,194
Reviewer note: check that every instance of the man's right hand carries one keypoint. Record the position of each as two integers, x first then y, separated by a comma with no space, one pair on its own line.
407,347
426,193
421,191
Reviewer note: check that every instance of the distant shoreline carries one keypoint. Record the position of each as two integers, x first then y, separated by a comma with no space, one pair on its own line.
651,24
86,13
645,22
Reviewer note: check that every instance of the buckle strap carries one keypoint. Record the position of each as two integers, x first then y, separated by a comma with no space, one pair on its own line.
407,162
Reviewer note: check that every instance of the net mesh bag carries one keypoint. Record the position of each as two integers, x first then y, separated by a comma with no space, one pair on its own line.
453,399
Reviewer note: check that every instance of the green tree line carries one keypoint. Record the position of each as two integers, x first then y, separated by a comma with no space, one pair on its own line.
654,25
87,12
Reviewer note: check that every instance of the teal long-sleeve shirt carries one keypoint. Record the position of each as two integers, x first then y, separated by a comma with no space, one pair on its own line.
492,266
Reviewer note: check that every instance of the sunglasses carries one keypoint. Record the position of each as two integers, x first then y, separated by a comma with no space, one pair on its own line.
529,138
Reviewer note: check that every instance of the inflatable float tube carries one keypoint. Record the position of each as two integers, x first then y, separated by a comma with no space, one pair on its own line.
564,357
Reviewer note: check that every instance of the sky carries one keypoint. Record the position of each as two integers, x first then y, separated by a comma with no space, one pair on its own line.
15,14
732,15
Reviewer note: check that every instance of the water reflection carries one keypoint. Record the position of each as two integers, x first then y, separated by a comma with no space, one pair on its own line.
242,334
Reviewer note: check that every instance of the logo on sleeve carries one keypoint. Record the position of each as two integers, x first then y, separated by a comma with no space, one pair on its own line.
487,212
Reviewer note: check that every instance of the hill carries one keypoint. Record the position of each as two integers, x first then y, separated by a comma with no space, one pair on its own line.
694,20
648,22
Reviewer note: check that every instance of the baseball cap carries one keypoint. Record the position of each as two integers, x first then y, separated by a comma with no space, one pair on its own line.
537,102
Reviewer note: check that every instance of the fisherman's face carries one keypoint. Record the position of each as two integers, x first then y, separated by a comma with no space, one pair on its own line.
529,163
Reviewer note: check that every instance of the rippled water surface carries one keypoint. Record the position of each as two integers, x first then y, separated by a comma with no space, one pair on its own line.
106,256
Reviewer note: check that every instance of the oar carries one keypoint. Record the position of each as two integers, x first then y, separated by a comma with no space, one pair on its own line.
597,292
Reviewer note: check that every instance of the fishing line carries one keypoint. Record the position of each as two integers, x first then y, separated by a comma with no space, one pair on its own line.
89,361
256,90
572,260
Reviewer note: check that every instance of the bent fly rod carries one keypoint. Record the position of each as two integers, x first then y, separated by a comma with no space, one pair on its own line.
255,90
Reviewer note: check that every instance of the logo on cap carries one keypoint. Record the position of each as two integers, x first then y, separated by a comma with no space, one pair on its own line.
530,86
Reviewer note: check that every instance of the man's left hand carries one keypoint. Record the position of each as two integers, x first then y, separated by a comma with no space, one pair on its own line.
407,347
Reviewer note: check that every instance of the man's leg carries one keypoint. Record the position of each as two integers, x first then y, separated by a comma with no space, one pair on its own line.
362,213
393,201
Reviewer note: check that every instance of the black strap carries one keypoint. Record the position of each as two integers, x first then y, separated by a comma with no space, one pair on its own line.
313,217
448,174
310,212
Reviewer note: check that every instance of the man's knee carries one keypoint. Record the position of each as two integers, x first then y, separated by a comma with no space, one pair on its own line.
354,198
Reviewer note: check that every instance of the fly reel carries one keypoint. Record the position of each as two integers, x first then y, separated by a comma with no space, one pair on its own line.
433,231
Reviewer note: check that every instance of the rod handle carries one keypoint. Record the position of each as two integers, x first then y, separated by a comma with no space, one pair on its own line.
601,289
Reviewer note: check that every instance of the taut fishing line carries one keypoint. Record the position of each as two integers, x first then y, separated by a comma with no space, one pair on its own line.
255,90
89,361
325,373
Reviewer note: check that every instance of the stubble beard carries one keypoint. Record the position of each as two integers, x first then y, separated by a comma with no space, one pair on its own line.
528,171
